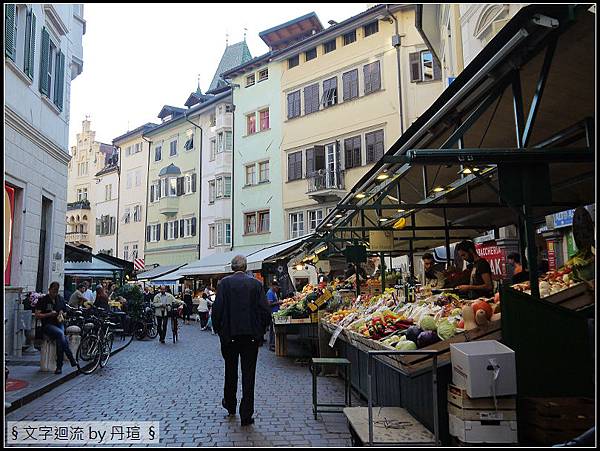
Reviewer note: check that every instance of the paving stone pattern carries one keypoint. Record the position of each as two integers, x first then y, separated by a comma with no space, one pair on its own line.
181,385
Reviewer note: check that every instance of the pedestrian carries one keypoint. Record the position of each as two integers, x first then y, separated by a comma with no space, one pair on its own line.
240,315
101,299
481,273
88,293
519,273
77,298
273,298
203,310
50,309
163,302
189,305
148,295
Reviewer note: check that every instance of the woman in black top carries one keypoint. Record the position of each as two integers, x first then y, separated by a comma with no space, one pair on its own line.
481,272
50,309
189,305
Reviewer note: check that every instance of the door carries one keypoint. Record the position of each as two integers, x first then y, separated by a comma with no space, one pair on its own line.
331,165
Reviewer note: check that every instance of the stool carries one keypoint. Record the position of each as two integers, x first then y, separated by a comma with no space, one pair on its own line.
314,364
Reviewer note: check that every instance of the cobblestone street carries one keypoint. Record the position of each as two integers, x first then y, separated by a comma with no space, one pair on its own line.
181,386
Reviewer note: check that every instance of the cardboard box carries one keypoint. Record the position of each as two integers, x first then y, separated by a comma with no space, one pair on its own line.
482,415
483,431
473,366
459,397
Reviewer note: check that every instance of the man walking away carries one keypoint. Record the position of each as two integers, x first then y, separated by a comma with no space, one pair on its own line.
273,298
162,304
240,316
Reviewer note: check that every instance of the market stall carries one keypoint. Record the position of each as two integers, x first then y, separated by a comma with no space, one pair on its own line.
477,160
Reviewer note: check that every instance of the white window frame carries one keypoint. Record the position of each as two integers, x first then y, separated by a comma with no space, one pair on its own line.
316,221
187,184
213,149
422,63
171,225
127,216
159,148
154,233
266,69
126,252
82,194
138,177
171,146
189,134
187,227
212,191
108,192
268,174
228,136
259,121
137,213
212,235
228,232
250,80
298,222
255,216
253,173
134,251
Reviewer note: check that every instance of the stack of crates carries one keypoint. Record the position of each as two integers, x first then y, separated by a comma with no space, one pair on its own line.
482,404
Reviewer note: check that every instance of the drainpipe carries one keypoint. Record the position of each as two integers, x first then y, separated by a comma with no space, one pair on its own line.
396,42
146,196
118,201
199,186
232,167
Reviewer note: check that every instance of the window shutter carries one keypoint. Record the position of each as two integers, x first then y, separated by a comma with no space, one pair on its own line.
310,162
437,70
357,159
193,226
30,44
375,76
176,229
158,232
290,106
159,195
98,227
179,186
165,231
148,237
348,153
112,225
193,183
60,81
44,60
415,66
291,166
182,227
151,193
9,36
319,158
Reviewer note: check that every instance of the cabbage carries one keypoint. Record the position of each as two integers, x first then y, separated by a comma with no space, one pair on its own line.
406,345
456,312
446,330
413,332
427,338
428,323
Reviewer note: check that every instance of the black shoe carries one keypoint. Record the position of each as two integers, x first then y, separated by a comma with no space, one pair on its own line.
229,412
248,422
73,363
58,371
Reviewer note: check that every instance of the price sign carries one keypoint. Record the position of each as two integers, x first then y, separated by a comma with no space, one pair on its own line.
323,298
313,307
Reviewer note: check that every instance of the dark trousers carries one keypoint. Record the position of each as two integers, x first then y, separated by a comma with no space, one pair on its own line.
187,311
162,326
246,349
62,343
203,318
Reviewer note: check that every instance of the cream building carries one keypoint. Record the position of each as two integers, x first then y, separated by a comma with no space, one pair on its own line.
348,92
88,157
107,205
133,186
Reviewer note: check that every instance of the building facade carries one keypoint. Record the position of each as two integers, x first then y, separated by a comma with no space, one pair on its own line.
347,94
88,157
43,54
107,206
134,154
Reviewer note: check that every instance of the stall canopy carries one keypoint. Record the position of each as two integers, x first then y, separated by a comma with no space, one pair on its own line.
171,278
216,263
157,272
94,268
510,141
272,253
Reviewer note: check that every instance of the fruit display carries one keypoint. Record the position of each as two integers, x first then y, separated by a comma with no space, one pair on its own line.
338,316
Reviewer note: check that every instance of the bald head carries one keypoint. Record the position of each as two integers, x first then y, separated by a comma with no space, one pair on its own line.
239,263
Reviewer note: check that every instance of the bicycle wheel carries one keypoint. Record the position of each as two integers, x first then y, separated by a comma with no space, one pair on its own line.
152,329
107,344
90,345
174,327
139,330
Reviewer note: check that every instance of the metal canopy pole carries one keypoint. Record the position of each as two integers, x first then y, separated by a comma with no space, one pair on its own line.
382,264
447,240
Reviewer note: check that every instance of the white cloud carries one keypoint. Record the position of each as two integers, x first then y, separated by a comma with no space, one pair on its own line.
139,57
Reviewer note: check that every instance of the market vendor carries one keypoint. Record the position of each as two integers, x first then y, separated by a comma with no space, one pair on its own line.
481,272
274,302
431,277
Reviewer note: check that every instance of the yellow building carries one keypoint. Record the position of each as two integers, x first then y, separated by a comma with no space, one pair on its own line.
348,92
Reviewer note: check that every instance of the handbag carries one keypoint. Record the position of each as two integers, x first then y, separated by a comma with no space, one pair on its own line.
39,330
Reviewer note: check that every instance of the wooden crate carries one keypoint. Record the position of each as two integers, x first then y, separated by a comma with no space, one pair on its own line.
578,296
280,344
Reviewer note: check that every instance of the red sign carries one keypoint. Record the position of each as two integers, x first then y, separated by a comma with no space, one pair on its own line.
551,255
495,257
9,217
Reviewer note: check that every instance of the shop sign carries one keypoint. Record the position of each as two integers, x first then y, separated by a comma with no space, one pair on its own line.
571,246
496,257
551,255
323,298
381,240
563,219
9,217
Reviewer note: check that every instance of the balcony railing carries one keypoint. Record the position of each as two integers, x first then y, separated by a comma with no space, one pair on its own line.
168,206
71,237
324,180
79,205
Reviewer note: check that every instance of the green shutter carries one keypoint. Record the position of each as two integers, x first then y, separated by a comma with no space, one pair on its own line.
59,80
44,88
30,45
9,32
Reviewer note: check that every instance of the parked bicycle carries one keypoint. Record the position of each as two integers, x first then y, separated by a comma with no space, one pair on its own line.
175,314
96,346
145,325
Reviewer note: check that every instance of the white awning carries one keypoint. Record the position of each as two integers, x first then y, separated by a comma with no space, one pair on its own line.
219,263
95,268
272,253
158,272
170,278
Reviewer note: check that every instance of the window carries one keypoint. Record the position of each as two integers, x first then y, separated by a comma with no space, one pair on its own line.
50,74
138,148
173,187
423,67
128,151
229,108
213,120
311,98
16,32
371,28
310,54
126,252
154,233
314,219
188,227
130,176
138,178
374,143
212,240
225,141
137,213
108,192
227,186
293,61
249,223
296,224
295,166
250,174
263,74
227,233
82,168
188,184
171,231
352,153
263,221
158,153
134,252
329,46
223,185
293,103
173,148
350,37
228,141
213,149
250,80
350,84
127,216
155,191
189,144
372,77
211,191
220,142
264,119
251,124
330,95
263,172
